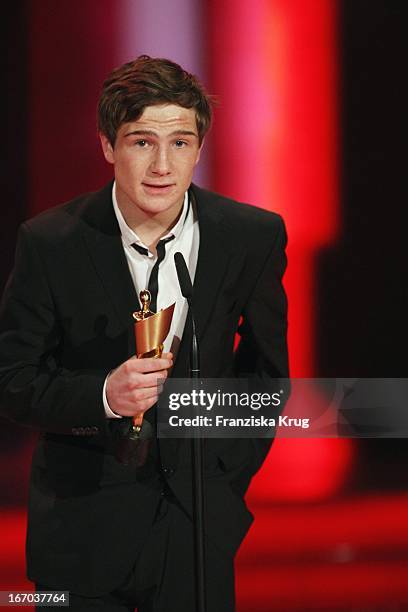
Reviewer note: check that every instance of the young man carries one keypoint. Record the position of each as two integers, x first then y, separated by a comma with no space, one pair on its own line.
115,535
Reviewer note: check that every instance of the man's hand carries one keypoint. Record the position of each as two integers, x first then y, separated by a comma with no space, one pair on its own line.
132,388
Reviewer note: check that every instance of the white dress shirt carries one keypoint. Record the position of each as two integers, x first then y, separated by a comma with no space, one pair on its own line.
186,241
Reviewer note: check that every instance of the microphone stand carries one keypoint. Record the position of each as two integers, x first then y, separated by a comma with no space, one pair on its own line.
198,485
196,445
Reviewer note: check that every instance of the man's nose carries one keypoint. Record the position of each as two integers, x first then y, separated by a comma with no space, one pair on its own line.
161,162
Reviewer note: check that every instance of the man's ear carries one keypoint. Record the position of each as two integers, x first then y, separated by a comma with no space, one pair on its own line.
107,148
199,152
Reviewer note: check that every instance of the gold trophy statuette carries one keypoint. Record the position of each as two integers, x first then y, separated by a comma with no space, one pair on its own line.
151,330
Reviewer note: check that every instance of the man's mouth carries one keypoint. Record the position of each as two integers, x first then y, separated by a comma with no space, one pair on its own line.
154,186
158,189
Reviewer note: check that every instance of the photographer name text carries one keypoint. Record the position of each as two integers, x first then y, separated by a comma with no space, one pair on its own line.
251,421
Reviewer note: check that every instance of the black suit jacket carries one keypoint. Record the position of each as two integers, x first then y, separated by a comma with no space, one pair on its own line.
66,322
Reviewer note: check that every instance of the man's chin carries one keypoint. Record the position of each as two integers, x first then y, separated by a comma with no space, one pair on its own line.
155,206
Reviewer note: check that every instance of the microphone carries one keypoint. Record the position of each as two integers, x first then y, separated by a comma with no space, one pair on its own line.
184,279
186,288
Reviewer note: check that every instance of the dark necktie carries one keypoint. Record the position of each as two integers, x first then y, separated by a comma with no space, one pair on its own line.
154,275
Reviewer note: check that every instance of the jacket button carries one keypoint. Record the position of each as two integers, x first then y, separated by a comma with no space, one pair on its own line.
168,471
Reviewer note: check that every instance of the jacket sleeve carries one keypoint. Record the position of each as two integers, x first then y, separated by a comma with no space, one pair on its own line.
34,389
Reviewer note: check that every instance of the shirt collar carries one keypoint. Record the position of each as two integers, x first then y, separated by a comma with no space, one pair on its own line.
129,236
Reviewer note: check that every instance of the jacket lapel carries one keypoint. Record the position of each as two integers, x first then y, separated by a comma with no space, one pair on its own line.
216,247
213,256
103,240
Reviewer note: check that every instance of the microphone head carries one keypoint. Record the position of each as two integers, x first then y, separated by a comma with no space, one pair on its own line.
183,276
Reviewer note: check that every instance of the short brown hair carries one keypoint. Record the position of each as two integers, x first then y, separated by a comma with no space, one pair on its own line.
148,81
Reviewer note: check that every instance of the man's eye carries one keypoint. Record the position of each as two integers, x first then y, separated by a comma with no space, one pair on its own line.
141,143
180,143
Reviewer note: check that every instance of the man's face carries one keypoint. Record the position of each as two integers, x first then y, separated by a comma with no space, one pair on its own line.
154,158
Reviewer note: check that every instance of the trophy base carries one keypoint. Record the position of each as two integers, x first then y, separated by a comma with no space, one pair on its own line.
133,447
